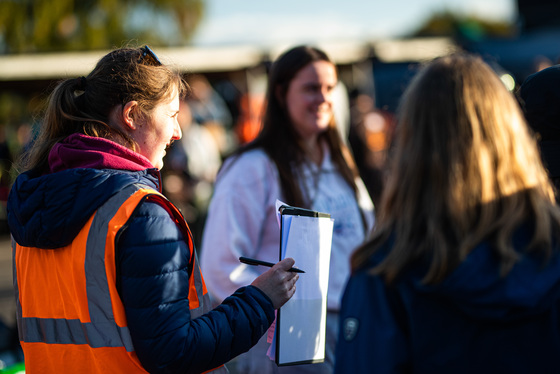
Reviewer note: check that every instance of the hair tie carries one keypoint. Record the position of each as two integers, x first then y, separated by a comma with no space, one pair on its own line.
83,82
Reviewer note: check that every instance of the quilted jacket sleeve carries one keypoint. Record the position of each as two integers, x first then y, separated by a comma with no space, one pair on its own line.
152,261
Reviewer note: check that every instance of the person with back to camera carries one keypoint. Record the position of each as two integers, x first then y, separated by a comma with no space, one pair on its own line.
299,158
105,273
462,271
540,100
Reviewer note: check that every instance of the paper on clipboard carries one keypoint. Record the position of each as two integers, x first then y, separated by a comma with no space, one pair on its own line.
300,331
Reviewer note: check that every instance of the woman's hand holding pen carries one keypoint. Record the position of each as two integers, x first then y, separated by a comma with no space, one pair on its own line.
278,283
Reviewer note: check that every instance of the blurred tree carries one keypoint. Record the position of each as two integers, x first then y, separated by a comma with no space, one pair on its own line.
59,25
466,27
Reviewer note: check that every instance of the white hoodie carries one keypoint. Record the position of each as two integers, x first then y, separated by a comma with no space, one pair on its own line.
242,221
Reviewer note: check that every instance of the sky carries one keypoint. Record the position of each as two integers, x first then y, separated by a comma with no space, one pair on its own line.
228,22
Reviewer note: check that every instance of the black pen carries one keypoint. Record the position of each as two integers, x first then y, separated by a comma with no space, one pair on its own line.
252,261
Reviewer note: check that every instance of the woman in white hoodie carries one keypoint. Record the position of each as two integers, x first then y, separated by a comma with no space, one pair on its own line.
300,159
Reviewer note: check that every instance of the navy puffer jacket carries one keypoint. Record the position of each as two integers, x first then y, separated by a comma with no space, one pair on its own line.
152,257
474,321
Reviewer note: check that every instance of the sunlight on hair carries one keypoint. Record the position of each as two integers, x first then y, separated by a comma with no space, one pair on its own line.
462,134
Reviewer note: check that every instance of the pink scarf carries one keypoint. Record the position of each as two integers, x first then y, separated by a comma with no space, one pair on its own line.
81,151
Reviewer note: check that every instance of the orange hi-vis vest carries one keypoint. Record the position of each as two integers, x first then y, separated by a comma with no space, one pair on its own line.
69,314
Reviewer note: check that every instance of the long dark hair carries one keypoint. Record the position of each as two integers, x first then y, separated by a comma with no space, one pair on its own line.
278,137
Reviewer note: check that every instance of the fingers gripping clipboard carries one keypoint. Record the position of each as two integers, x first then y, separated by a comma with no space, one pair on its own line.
300,332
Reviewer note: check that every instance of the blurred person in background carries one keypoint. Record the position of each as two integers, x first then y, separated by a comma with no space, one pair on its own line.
249,121
299,158
105,271
462,272
540,99
190,169
369,138
210,110
6,160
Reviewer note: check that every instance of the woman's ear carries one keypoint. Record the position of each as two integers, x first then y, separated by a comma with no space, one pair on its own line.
129,112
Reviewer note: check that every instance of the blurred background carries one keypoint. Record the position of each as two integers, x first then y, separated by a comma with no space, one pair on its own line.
224,49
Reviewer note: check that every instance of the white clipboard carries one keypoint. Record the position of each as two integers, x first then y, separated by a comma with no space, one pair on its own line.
300,331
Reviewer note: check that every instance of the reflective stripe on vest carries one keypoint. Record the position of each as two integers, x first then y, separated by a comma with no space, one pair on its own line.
69,314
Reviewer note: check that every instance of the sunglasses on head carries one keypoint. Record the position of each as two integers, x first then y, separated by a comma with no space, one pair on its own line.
149,56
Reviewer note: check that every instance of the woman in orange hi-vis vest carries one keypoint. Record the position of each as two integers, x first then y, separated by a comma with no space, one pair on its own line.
105,272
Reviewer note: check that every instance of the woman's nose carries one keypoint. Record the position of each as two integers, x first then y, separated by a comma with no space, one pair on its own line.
177,133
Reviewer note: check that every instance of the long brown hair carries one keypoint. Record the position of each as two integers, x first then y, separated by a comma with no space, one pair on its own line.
82,105
278,137
464,169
